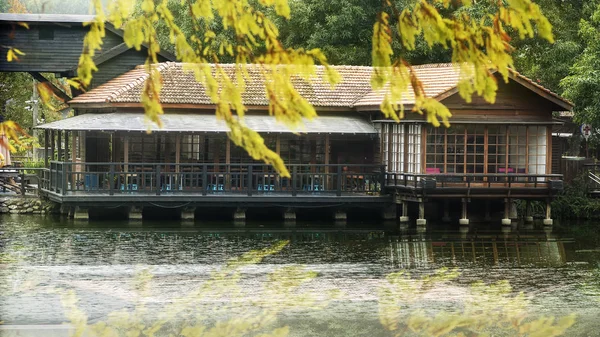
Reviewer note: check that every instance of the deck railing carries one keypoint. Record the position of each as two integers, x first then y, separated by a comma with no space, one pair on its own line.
474,180
23,181
243,179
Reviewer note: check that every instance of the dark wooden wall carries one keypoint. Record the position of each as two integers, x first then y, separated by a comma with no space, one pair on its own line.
58,55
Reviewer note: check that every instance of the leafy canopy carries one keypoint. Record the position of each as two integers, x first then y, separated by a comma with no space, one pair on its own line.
247,33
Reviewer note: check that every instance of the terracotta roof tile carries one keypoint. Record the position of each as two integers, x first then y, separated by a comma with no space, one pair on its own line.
181,87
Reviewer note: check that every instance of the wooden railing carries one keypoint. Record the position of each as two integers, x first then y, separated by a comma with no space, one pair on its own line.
23,181
474,180
204,179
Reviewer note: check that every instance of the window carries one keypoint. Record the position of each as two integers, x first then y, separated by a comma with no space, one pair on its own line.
509,149
436,152
414,148
517,149
455,149
496,148
46,33
537,150
475,148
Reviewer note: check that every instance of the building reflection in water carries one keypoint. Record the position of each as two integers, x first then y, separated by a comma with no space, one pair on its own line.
455,249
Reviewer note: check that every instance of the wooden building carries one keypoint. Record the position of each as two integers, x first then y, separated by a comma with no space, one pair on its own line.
349,156
52,43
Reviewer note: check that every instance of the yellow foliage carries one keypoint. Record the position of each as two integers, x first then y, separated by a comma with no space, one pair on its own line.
9,133
480,48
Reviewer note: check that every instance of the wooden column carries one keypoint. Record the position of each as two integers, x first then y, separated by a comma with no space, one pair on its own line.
52,144
59,146
327,180
46,144
126,158
549,149
423,147
485,151
228,162
177,152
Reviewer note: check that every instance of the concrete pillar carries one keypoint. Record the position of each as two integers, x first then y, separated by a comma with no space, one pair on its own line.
548,220
135,214
421,221
289,217
528,212
488,212
340,217
67,210
464,218
81,214
404,216
188,215
446,217
389,212
506,219
239,217
513,211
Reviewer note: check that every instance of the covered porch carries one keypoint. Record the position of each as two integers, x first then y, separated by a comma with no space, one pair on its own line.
112,154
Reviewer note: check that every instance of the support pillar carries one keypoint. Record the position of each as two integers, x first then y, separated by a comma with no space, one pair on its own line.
188,216
421,221
81,214
528,212
464,218
389,212
340,217
404,217
548,220
289,217
135,214
506,219
446,217
239,217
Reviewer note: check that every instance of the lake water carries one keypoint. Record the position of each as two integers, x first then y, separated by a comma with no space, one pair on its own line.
309,280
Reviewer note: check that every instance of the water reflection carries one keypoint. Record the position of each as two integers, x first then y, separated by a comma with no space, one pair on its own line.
98,261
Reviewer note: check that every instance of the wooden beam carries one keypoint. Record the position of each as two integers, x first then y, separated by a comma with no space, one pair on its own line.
58,92
111,53
126,158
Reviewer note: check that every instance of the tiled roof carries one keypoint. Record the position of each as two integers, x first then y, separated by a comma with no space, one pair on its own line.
181,87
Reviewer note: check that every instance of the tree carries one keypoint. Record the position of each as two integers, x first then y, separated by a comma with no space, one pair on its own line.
583,82
479,47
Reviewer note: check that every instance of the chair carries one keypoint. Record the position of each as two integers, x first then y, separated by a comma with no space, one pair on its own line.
91,182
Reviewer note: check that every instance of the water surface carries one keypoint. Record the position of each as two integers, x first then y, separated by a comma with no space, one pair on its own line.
344,292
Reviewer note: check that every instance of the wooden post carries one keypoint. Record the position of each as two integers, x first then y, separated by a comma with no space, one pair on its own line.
53,144
59,146
228,164
126,158
327,180
178,179
46,141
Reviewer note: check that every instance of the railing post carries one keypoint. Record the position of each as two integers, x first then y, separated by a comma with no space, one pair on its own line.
111,179
204,179
23,182
158,185
339,181
250,180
